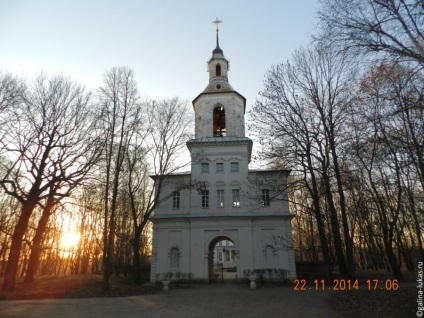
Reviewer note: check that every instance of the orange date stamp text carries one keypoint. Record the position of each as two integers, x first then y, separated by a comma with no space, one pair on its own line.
346,284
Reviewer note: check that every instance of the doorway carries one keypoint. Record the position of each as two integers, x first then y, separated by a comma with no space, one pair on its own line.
223,260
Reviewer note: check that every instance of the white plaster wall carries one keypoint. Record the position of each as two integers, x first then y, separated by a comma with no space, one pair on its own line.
172,183
275,182
171,233
212,67
234,114
199,226
226,180
199,256
197,234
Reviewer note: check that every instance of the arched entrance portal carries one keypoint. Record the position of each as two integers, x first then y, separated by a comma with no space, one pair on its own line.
223,260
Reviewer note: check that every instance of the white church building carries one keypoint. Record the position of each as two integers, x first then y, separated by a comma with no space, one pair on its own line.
231,203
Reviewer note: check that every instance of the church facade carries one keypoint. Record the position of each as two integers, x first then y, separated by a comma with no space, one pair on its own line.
221,199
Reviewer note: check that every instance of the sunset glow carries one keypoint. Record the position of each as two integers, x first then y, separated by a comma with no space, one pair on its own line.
69,240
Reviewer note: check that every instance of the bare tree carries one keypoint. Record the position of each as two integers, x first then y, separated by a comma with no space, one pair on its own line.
154,150
284,126
394,27
142,139
301,117
385,133
11,90
48,206
9,208
118,98
387,149
51,144
90,216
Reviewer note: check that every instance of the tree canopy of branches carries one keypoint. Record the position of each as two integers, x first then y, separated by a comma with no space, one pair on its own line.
142,138
394,27
388,149
96,162
118,113
353,135
169,129
11,90
305,103
49,139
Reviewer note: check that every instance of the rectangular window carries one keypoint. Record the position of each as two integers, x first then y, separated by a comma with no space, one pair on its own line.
236,198
265,198
219,167
220,198
205,199
227,255
220,256
176,199
205,167
234,167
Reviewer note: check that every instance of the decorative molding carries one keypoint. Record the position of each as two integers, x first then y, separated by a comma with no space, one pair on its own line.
220,159
219,184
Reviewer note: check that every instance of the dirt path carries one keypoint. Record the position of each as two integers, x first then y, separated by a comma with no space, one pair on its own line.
219,300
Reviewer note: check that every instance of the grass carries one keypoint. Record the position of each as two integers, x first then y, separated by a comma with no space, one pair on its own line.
72,286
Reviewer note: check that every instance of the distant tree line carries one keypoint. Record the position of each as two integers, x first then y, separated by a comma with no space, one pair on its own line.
346,115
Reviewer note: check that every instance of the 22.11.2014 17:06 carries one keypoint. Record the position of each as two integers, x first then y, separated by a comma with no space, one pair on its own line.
346,284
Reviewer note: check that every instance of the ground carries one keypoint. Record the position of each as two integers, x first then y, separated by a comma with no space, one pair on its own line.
84,296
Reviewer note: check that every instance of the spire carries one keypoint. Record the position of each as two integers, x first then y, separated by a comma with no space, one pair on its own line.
217,49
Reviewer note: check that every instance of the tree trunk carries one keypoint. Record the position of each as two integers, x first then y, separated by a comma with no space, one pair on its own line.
34,257
334,224
320,222
350,270
15,248
136,251
391,257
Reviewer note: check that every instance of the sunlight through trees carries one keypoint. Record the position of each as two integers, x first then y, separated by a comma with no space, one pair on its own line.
345,114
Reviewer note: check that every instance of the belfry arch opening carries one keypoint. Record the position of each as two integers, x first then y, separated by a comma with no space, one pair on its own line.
223,260
219,128
218,70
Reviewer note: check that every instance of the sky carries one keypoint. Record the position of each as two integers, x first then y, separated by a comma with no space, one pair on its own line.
167,43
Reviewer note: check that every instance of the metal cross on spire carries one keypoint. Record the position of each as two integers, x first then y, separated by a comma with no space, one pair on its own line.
217,22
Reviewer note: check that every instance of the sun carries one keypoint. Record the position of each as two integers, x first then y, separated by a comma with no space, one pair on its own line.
69,240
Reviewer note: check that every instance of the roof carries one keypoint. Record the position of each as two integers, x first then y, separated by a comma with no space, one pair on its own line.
287,171
179,174
209,90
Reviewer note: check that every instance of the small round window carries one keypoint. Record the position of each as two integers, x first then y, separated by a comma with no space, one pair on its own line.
218,86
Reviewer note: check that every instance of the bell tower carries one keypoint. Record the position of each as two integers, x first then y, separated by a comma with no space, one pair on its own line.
219,109
220,198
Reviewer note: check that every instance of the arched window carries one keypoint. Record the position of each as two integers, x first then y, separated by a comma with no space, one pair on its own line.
219,129
218,69
269,257
175,259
